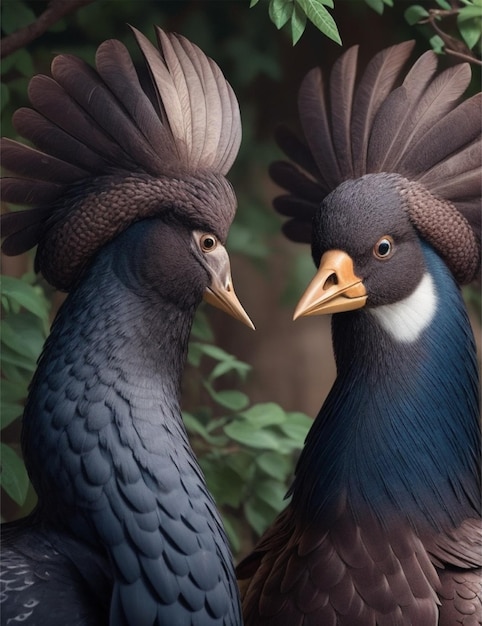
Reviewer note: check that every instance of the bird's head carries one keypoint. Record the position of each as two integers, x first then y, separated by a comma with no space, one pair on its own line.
366,248
113,149
179,262
387,164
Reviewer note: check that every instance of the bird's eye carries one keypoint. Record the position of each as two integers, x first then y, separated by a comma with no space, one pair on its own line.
384,248
208,243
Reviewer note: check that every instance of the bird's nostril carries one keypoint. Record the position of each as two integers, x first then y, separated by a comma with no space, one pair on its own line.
331,281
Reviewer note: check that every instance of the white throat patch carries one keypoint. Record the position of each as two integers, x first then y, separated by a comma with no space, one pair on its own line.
406,320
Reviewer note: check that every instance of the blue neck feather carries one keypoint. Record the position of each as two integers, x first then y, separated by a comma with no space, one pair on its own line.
398,435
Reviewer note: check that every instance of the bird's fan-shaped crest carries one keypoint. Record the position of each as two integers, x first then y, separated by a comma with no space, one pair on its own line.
110,149
416,127
200,108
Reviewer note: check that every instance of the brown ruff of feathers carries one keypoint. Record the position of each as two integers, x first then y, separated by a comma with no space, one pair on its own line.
368,125
112,151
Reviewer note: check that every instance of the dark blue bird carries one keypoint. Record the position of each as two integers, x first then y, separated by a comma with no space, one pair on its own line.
383,526
131,210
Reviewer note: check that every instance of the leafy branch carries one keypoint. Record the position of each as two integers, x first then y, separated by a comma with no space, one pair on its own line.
297,12
468,16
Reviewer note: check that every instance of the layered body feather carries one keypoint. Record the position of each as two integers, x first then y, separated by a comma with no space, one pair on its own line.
110,460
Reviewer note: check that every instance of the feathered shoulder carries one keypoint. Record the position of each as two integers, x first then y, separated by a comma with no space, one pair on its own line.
411,122
112,146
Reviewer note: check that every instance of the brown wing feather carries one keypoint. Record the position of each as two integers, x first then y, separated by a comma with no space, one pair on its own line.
343,575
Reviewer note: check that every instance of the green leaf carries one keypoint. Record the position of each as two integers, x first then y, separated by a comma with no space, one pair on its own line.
4,96
253,3
9,413
229,366
275,465
242,432
232,532
258,514
193,425
271,492
23,63
296,427
469,12
213,351
15,15
27,296
415,13
226,486
11,357
437,44
470,29
13,475
194,354
58,27
12,372
23,343
201,328
266,414
469,21
243,463
320,17
298,24
376,5
13,391
229,399
280,11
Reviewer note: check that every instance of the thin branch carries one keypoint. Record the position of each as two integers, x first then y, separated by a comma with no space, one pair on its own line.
452,46
464,57
56,10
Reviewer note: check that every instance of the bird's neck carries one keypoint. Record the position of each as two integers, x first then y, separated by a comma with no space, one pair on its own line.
104,405
398,435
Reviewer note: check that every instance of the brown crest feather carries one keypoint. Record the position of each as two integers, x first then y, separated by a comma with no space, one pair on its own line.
100,134
370,123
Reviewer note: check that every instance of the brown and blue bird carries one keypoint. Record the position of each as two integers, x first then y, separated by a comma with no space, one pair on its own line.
383,526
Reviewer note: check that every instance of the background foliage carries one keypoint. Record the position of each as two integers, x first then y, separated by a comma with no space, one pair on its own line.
247,449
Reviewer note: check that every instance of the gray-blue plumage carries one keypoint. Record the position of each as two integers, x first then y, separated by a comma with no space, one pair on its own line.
130,211
105,444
